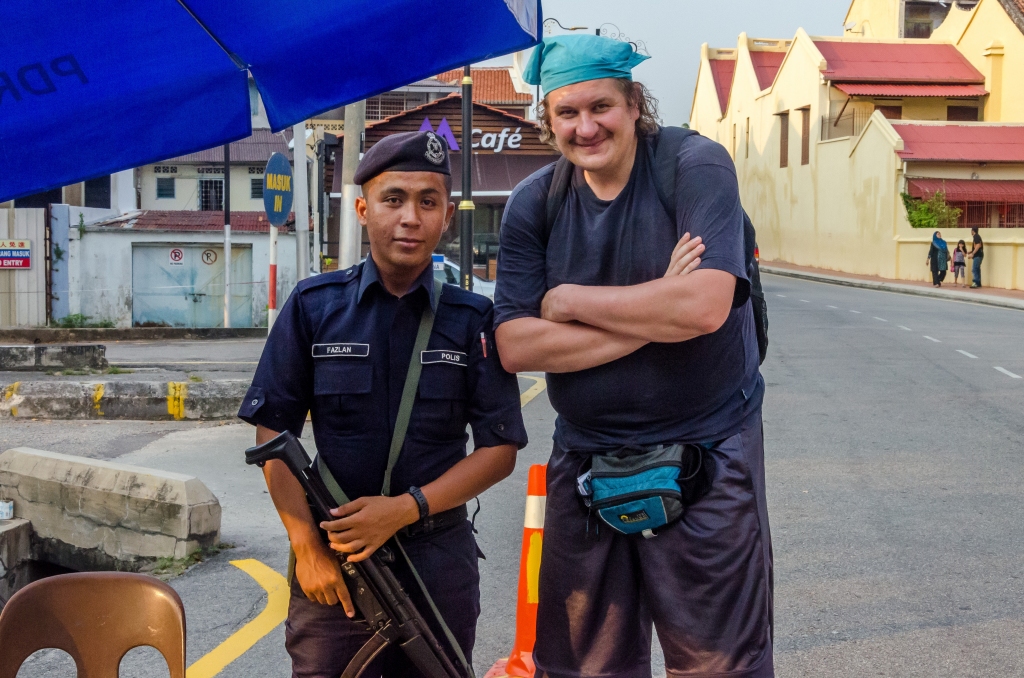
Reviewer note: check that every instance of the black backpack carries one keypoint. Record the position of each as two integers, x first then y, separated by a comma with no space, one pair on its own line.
666,150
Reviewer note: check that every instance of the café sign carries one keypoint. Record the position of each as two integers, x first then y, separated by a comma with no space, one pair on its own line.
507,138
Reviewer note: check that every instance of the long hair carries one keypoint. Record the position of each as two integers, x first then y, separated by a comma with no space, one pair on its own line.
637,96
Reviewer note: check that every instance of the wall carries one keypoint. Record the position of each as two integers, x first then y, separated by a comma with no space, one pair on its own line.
874,18
990,27
105,269
65,274
23,292
186,186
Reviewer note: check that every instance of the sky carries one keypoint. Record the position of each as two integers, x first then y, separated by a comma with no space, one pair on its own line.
674,30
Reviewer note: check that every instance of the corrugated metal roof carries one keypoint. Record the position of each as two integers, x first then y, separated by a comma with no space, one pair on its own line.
964,190
766,66
866,61
255,149
882,90
723,70
189,221
961,142
490,86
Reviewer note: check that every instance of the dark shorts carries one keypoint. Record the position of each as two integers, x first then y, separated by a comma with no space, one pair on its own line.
321,640
704,582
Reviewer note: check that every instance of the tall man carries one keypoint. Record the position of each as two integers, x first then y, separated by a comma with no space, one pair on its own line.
341,349
638,354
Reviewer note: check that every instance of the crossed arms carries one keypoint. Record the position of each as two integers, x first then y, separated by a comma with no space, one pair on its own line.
582,327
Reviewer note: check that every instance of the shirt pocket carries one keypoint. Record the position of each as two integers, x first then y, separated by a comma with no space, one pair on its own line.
343,392
442,401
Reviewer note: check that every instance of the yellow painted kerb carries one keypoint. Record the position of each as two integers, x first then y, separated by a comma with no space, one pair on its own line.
9,394
97,396
239,642
176,393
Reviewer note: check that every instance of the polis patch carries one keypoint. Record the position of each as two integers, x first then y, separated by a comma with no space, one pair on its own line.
449,357
341,350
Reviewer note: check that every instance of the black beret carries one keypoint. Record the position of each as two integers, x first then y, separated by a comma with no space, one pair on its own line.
405,152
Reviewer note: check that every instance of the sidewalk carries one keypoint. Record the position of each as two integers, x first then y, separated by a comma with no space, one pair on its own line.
989,296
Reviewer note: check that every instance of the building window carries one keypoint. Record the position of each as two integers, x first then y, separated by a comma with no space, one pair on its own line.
891,112
97,193
211,195
392,103
256,189
165,187
962,113
805,136
784,140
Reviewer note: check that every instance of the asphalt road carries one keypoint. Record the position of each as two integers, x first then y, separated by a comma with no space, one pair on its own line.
894,464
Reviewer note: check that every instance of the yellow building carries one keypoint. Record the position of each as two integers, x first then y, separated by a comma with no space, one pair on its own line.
827,133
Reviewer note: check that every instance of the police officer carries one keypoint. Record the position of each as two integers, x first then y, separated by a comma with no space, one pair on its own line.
649,339
341,350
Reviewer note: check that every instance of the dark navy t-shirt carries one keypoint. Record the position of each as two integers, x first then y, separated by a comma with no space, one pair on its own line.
701,390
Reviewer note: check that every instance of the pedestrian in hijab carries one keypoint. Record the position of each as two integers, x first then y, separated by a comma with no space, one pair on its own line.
938,259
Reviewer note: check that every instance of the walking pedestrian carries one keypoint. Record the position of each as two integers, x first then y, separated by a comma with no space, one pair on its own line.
977,255
648,339
938,259
347,349
960,264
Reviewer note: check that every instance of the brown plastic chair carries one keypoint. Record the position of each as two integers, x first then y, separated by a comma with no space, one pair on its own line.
96,617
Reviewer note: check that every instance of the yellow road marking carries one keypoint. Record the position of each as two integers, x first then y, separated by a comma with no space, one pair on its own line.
539,384
244,638
176,393
97,396
9,402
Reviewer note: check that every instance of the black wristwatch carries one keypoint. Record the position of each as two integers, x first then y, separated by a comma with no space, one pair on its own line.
421,501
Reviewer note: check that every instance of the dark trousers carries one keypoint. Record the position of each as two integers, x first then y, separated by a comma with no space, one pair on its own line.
704,582
321,640
976,270
938,276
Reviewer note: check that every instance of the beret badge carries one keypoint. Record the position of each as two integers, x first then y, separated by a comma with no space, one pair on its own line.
435,150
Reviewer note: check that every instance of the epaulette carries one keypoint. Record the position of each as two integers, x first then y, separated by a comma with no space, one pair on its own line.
332,278
456,296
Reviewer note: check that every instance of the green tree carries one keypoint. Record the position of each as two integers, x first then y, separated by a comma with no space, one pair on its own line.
934,213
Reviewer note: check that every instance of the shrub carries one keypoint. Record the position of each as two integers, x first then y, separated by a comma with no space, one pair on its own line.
933,213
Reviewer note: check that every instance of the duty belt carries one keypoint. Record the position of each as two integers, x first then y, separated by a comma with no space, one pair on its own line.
436,522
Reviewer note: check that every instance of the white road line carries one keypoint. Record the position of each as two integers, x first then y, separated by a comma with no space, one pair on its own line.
881,319
904,327
969,355
1009,373
857,312
781,296
835,307
805,301
932,339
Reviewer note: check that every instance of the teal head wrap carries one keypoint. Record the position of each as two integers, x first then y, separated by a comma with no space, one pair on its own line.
569,59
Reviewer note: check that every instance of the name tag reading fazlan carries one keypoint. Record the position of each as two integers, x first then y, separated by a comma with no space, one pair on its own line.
341,350
448,357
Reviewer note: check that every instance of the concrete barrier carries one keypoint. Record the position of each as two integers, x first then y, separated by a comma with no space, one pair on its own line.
88,514
153,400
57,335
15,551
48,356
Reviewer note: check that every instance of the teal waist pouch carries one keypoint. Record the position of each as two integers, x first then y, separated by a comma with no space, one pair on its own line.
638,493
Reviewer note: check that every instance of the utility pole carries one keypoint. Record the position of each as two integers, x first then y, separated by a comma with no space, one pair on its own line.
466,206
300,187
227,235
350,249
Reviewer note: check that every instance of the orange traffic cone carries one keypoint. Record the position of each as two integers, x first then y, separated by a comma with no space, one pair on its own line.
520,661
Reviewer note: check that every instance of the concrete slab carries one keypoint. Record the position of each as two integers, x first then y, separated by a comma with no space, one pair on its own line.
15,551
51,357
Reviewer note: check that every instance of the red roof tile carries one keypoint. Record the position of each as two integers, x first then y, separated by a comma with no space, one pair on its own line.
723,71
766,65
961,142
254,149
864,61
948,91
491,86
188,221
963,190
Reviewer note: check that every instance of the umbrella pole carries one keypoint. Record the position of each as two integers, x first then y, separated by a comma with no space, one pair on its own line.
301,201
227,235
466,206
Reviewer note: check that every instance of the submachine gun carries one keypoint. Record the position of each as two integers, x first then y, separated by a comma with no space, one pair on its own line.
378,596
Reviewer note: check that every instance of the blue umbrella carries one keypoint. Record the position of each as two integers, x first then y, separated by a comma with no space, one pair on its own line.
92,88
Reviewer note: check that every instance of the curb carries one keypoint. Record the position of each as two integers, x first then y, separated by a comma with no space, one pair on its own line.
896,287
149,400
36,357
55,335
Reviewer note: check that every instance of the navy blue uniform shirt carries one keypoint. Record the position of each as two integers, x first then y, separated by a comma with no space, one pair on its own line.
702,390
341,348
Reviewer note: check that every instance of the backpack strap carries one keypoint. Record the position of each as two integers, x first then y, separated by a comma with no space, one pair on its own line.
665,164
556,194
